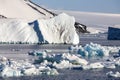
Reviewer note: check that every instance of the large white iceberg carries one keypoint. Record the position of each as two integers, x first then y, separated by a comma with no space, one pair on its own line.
59,29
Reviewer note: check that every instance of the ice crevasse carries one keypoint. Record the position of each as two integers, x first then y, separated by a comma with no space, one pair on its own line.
59,29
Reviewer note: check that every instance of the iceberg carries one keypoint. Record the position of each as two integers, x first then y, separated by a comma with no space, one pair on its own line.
59,29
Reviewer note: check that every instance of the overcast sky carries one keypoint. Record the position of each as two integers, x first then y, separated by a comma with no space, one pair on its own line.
104,6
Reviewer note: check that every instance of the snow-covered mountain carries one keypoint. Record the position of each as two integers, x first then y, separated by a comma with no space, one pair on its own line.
23,9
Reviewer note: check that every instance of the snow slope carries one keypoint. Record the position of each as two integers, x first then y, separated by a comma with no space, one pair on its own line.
23,9
59,29
95,22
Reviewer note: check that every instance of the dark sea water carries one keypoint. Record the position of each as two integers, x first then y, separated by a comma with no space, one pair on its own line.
65,74
98,74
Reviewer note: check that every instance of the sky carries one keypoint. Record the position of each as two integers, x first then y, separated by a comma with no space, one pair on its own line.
103,6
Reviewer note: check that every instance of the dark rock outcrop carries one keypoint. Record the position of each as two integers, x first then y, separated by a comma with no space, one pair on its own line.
81,28
1,16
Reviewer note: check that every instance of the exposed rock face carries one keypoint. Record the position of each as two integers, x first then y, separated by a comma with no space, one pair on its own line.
81,28
113,33
2,17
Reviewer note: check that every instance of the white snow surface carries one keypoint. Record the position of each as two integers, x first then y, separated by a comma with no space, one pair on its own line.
59,29
21,9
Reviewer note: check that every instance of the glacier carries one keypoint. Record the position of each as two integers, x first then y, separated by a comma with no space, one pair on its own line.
59,29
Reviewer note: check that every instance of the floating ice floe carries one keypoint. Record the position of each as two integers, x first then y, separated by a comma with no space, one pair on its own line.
94,50
117,61
60,61
110,65
74,59
12,68
63,64
112,74
96,65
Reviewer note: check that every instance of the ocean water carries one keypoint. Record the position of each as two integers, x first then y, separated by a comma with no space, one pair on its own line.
77,74
19,51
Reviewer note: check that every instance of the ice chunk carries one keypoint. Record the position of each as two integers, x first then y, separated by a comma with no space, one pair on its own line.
37,53
91,50
96,65
74,59
30,71
111,74
10,72
110,65
94,50
51,72
117,61
62,64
